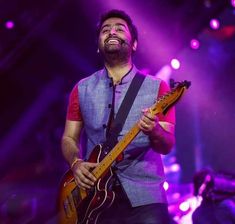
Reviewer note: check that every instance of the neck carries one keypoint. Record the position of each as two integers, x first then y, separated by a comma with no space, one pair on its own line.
117,71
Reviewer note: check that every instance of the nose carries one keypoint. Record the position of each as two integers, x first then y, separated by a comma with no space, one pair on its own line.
113,30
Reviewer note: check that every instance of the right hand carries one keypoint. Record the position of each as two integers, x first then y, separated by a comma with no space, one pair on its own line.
82,174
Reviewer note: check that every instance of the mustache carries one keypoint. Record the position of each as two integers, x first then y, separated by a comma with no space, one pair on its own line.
116,38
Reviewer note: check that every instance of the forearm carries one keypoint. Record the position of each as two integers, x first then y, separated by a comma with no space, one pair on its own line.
70,139
162,140
69,149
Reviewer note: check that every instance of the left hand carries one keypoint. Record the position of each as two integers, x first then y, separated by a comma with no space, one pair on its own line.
148,122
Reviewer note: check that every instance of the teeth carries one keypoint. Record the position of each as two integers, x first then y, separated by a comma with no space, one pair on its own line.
113,41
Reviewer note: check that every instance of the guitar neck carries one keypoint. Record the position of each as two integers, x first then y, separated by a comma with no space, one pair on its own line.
115,152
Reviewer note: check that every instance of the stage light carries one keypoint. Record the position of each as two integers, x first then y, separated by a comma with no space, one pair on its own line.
214,24
194,44
175,64
176,196
176,218
166,186
184,206
164,73
233,3
175,167
9,24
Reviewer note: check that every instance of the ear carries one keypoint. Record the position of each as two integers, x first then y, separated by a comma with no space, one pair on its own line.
134,46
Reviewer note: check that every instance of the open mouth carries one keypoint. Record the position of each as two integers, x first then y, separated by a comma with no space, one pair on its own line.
112,41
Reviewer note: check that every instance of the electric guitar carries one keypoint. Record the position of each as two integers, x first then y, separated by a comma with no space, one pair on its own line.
78,206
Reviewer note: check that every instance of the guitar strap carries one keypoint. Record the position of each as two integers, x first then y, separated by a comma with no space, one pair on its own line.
123,111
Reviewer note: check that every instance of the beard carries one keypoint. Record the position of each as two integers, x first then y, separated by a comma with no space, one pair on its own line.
116,52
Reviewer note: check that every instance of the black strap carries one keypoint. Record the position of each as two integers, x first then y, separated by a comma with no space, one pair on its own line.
124,110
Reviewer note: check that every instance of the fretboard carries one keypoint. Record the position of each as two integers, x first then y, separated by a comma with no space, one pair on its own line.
115,152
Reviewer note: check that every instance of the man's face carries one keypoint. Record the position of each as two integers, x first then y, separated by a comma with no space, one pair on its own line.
115,37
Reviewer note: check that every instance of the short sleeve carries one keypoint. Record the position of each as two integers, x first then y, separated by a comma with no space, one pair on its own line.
73,110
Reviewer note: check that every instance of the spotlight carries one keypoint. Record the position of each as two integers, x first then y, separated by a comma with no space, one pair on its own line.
233,3
214,24
164,73
176,196
175,167
175,63
184,206
194,44
9,24
166,186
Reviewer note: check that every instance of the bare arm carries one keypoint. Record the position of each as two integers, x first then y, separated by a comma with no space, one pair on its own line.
160,128
69,140
70,150
162,138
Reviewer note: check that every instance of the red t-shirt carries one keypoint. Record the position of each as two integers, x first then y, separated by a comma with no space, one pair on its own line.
74,112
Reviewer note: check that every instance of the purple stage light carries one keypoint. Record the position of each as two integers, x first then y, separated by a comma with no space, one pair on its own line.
194,43
176,196
9,24
184,206
164,73
233,3
175,167
175,64
214,24
166,186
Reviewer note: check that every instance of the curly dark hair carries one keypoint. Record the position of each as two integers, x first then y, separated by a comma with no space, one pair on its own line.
115,13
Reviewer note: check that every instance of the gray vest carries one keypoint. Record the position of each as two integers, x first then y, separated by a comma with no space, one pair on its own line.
141,171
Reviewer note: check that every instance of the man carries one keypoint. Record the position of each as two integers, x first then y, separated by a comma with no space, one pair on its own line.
94,102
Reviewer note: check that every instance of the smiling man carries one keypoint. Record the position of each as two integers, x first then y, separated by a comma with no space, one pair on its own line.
138,177
116,44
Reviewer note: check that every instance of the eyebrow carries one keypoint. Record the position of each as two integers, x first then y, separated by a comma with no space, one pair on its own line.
116,24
